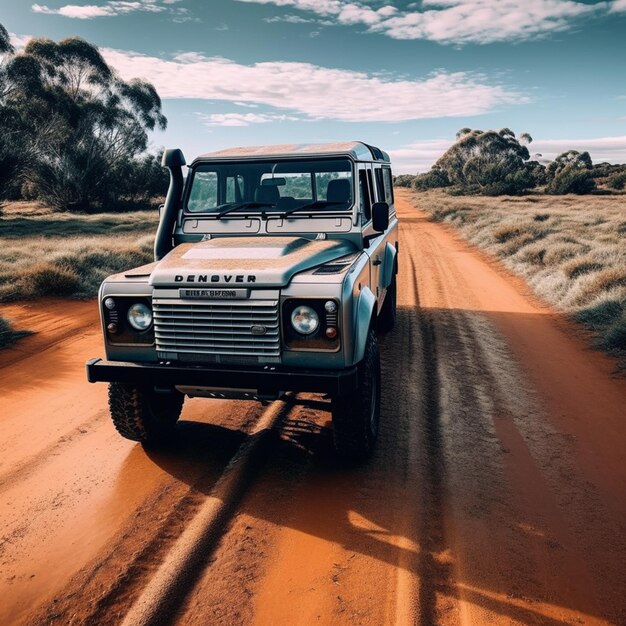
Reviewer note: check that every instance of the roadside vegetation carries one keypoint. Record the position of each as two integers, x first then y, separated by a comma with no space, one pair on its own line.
571,250
495,163
73,171
44,253
73,134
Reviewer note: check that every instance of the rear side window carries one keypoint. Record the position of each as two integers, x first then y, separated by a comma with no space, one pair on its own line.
380,190
365,203
388,183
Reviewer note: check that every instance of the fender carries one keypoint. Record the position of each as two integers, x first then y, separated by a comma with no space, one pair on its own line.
391,255
365,313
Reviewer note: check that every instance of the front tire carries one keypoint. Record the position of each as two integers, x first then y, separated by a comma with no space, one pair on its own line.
144,415
356,415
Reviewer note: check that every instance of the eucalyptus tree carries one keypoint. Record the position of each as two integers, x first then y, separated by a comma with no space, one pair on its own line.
571,172
486,162
83,120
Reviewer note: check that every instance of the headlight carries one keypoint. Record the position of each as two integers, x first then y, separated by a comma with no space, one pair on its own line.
305,320
140,316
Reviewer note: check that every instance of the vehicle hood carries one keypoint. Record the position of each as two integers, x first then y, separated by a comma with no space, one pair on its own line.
244,261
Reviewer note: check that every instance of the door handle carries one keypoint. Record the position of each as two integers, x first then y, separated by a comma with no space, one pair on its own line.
376,261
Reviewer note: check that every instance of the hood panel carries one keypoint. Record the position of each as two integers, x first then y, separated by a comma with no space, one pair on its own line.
259,261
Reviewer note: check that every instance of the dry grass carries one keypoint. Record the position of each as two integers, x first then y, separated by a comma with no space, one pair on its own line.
45,253
571,249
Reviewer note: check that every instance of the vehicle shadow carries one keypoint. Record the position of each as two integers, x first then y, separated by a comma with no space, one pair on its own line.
464,488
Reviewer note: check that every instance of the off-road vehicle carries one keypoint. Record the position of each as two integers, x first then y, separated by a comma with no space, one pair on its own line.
274,269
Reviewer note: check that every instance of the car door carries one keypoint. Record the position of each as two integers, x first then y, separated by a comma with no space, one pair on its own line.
376,248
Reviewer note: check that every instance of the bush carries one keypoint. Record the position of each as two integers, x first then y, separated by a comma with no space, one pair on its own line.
572,180
403,180
434,179
617,181
49,279
579,267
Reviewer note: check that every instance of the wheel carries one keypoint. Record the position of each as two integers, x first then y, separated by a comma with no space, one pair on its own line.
356,415
143,414
387,317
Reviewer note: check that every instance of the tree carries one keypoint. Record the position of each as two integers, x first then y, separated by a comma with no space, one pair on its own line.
5,41
82,120
485,162
571,172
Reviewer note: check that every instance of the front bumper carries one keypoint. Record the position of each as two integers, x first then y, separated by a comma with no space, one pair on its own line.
265,380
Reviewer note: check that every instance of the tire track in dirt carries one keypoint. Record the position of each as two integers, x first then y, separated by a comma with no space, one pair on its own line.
104,591
28,467
434,574
524,525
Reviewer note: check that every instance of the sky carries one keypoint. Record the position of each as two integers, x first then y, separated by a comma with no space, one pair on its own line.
401,75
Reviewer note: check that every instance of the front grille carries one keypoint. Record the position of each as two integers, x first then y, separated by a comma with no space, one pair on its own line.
217,331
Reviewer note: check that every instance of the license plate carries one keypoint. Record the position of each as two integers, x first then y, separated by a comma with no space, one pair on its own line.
215,294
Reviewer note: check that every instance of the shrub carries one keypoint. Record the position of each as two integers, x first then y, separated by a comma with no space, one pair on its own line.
403,180
533,254
600,313
615,336
617,181
578,267
434,179
571,180
506,232
49,279
557,253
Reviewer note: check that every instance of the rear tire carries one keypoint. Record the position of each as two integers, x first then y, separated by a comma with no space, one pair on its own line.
356,415
144,415
387,317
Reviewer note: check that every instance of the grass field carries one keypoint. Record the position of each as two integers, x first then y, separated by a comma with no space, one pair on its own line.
44,253
59,254
570,249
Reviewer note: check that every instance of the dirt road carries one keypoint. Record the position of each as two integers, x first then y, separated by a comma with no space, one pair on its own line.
497,493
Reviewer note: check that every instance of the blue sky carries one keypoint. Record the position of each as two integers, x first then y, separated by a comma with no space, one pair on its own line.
399,74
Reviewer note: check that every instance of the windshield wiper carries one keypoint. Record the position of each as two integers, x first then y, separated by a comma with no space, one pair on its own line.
318,204
228,208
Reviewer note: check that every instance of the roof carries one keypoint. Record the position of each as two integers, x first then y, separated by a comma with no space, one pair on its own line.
356,149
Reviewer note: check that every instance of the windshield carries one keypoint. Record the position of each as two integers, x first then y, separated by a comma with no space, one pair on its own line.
277,186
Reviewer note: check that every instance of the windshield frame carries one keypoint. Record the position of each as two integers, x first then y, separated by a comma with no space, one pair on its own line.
272,213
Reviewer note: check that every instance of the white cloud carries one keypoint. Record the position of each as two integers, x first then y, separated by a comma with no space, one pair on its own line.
455,21
112,8
85,12
242,119
420,156
618,6
288,19
19,41
313,91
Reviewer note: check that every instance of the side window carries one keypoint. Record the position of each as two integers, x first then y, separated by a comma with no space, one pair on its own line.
380,189
388,179
203,195
365,202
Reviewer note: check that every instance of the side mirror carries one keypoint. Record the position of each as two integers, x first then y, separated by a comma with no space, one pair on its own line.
380,216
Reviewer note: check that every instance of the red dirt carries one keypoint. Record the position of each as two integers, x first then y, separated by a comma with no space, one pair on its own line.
496,493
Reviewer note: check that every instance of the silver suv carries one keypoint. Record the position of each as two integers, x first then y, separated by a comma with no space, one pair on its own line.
274,269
